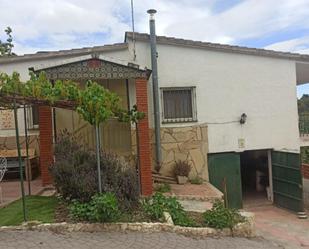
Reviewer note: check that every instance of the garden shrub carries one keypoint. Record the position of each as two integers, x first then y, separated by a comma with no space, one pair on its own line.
120,178
75,173
101,208
305,154
74,170
162,187
156,205
196,180
221,217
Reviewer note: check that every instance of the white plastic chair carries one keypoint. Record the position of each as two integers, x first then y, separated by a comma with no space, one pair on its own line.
3,169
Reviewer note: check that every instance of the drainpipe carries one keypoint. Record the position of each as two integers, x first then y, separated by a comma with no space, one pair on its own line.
155,86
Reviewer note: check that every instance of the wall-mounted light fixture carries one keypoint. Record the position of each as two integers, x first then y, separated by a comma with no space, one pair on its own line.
243,118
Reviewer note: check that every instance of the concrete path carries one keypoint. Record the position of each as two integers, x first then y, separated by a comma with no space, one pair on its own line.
11,190
47,240
282,227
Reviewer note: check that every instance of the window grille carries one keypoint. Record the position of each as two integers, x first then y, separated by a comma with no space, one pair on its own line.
178,104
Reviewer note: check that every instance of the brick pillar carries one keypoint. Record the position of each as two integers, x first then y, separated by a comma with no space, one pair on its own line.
46,141
305,170
144,141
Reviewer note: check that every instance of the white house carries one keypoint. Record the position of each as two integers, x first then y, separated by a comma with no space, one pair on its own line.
230,111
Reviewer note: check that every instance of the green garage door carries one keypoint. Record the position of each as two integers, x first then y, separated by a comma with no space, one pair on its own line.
287,180
226,166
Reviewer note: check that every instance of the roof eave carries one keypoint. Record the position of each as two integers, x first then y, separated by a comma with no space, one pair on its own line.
63,53
220,47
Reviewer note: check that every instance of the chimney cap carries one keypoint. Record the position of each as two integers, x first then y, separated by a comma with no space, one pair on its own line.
151,11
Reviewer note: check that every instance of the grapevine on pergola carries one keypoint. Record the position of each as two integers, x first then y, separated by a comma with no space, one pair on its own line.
94,103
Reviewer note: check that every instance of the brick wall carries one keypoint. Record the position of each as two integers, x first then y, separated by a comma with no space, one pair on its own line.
305,170
144,141
46,141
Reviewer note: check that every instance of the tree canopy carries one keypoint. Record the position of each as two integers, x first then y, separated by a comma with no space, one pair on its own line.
7,46
303,104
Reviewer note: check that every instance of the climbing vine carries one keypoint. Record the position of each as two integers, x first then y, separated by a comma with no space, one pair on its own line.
94,103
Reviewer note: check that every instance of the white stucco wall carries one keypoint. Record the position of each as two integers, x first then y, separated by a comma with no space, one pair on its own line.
229,84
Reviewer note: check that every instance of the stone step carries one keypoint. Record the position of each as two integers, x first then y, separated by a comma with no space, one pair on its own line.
163,179
196,206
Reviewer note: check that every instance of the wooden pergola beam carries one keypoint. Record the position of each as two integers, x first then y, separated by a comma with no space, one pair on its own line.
6,101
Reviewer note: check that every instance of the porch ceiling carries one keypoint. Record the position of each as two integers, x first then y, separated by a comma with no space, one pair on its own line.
92,67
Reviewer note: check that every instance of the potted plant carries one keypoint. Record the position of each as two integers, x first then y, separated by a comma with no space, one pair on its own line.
181,171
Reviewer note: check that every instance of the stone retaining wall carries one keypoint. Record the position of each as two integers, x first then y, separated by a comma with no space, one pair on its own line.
245,229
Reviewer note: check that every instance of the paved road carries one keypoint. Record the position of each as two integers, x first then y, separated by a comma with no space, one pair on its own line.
132,240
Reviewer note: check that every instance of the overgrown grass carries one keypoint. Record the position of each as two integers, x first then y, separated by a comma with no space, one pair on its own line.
40,208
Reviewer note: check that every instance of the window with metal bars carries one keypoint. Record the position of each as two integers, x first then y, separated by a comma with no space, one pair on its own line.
178,104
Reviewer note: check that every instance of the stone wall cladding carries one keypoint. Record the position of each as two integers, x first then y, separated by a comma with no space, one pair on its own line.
183,143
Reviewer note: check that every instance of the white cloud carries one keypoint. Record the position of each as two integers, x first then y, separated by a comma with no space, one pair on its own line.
248,19
60,24
298,45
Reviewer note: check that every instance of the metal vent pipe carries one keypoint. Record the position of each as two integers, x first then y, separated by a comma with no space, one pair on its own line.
155,86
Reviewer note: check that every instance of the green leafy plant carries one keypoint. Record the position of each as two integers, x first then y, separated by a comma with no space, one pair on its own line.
97,104
155,206
221,217
305,154
162,187
182,168
101,208
196,180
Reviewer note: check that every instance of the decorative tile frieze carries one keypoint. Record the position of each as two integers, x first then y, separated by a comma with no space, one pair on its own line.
94,69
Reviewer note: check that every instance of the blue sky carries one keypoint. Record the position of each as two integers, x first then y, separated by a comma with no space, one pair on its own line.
63,24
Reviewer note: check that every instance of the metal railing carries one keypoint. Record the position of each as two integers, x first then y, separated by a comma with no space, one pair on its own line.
304,124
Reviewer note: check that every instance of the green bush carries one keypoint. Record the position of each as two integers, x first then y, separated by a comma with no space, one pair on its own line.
75,173
162,187
221,217
156,205
196,180
305,154
101,208
74,170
